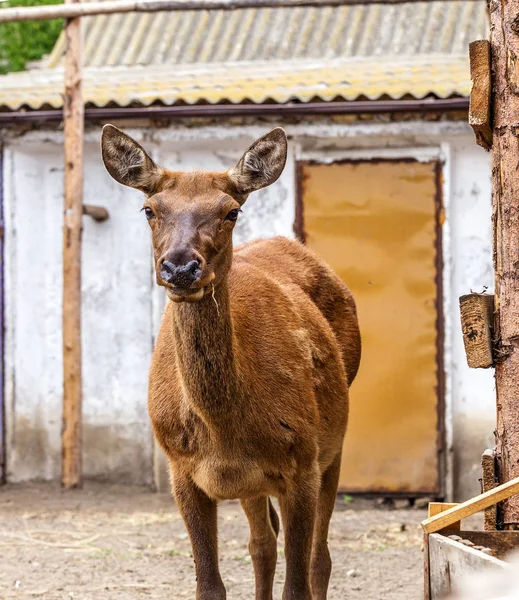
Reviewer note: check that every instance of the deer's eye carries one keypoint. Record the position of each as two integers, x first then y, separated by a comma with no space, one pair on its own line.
148,212
233,214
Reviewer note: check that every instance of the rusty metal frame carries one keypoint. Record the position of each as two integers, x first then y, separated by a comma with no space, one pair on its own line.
299,230
441,442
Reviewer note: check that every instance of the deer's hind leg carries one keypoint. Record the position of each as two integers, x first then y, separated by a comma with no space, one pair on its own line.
264,529
321,566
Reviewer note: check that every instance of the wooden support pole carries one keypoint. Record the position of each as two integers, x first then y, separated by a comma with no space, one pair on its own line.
72,223
504,27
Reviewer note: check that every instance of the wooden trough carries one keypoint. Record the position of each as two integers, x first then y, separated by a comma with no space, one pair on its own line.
451,553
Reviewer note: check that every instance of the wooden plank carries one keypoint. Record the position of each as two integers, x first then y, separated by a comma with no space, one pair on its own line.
489,482
450,562
73,126
477,319
36,13
470,507
480,113
435,508
426,568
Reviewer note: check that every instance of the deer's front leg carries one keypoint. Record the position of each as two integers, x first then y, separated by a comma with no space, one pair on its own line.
298,508
199,514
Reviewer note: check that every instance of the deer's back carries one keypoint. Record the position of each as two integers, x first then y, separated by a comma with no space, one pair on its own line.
290,262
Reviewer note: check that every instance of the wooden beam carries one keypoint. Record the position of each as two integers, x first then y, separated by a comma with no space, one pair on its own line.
470,507
67,11
98,213
477,324
505,222
480,114
73,211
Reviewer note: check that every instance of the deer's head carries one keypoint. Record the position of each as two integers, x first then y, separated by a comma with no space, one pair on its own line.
192,214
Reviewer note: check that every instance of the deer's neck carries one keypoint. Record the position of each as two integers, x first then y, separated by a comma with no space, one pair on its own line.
205,351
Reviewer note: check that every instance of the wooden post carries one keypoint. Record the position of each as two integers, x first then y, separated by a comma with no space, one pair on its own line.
504,27
72,222
488,482
435,508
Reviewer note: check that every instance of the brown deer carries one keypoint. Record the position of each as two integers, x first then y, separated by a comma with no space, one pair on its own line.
248,388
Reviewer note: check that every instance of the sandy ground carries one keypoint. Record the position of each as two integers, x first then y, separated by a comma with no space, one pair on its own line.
126,543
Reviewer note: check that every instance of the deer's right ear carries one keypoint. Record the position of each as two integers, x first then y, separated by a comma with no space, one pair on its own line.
262,163
127,161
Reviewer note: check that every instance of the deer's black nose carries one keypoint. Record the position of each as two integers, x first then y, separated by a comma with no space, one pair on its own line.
180,276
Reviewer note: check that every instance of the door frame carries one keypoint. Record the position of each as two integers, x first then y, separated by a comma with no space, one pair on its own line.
436,157
3,467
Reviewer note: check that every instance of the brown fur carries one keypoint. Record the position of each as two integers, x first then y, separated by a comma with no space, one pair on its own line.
249,382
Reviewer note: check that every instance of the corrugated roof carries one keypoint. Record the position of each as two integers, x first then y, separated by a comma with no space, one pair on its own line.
262,34
278,81
412,49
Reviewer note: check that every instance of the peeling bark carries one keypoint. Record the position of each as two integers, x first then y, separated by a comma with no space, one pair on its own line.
505,221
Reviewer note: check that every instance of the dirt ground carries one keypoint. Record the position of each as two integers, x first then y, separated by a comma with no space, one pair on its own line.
126,543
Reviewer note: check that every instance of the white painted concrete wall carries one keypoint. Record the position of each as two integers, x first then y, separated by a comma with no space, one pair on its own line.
473,390
122,306
117,343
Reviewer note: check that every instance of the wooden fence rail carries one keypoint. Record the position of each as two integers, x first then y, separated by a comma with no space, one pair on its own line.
78,9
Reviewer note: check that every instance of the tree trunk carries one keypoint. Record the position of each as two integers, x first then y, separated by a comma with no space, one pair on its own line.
504,18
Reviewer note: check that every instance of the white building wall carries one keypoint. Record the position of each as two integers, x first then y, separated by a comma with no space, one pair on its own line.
473,390
121,305
116,316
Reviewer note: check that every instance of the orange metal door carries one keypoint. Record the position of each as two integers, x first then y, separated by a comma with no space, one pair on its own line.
376,225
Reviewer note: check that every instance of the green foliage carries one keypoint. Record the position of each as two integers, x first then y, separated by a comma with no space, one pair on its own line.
28,40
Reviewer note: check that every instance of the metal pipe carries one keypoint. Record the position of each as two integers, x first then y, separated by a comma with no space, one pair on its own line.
353,107
82,9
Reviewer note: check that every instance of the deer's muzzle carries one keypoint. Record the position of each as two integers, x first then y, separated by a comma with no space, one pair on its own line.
183,276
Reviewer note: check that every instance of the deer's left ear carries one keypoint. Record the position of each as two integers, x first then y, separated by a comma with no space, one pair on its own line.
261,164
128,163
